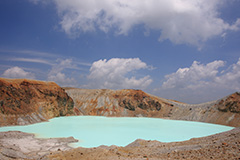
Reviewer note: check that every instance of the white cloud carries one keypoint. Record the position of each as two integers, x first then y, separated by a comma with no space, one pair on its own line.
17,72
61,65
56,74
48,57
29,52
32,60
231,78
200,82
113,74
190,77
62,80
180,21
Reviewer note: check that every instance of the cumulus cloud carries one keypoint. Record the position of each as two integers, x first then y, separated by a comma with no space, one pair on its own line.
200,82
193,76
61,79
230,79
17,72
180,21
56,73
114,73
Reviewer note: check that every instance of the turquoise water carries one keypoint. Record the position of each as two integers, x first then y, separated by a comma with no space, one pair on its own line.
93,131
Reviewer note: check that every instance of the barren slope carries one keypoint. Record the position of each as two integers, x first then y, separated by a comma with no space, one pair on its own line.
28,101
225,111
220,146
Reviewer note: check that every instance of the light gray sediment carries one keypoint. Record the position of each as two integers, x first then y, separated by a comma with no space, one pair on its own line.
20,145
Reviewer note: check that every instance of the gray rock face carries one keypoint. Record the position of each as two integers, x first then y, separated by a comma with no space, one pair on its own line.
210,112
19,145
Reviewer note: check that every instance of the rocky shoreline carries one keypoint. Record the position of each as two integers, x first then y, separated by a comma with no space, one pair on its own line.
19,145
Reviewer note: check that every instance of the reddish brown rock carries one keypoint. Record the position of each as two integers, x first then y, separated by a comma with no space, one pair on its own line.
133,99
230,104
29,101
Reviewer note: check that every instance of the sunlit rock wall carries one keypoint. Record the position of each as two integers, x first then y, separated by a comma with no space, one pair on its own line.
28,101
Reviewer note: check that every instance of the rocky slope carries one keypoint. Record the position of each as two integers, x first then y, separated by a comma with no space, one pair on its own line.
28,101
225,111
127,103
103,102
221,146
224,145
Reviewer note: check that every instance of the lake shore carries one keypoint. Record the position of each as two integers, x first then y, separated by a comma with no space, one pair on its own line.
20,145
225,145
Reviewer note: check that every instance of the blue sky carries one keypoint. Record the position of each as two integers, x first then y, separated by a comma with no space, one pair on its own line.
179,49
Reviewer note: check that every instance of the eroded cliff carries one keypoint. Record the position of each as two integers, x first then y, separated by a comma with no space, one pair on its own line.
126,103
29,101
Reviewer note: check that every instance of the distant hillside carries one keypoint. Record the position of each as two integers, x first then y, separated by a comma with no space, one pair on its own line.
136,103
225,111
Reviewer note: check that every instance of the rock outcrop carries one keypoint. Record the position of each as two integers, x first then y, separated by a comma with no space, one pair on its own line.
29,101
230,103
119,103
136,103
